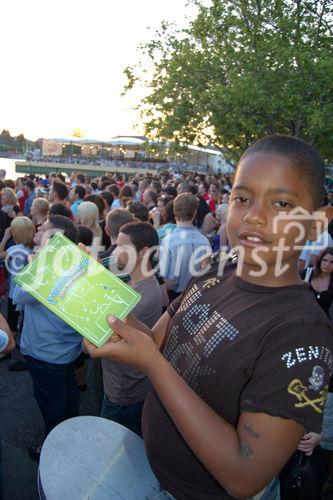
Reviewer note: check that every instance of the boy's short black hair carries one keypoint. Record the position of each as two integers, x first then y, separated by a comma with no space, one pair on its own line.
303,157
61,189
59,209
141,234
64,225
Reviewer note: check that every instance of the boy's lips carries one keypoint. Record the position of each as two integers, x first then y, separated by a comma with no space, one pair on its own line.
252,239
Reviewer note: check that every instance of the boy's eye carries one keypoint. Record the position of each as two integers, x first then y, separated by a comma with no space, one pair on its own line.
240,199
282,204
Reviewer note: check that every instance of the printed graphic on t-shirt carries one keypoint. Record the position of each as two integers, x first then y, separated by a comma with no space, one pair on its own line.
300,391
312,393
207,329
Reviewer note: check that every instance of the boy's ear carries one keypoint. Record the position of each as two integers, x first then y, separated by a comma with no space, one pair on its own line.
321,219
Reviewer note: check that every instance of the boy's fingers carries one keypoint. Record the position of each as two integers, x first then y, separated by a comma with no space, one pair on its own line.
120,328
98,352
89,347
115,337
120,331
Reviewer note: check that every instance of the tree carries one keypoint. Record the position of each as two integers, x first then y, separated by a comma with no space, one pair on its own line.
21,142
6,139
243,69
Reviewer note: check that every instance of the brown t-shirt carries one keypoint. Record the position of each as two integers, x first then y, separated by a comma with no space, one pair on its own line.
124,385
240,347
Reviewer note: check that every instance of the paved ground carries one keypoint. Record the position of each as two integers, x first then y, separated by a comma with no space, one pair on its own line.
20,426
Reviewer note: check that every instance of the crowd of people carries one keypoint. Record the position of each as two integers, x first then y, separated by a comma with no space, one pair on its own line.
225,363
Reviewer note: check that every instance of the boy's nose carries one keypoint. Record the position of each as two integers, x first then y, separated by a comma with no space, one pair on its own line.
255,216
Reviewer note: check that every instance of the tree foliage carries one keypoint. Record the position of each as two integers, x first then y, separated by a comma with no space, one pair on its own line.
7,142
243,69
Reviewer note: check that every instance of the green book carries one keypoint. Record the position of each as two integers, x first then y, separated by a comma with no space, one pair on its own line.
78,289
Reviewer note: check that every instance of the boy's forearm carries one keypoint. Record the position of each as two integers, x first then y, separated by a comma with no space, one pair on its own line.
215,442
199,425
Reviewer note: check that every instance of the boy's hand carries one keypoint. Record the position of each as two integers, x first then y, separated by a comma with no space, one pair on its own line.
127,345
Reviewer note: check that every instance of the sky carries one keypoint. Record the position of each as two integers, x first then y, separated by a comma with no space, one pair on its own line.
62,63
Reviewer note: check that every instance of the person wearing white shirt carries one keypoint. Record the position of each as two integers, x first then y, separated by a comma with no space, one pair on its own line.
311,250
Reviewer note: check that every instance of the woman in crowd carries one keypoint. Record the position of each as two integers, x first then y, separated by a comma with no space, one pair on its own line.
22,231
21,192
102,210
88,216
39,211
158,214
125,195
162,204
108,200
320,280
9,203
169,221
204,220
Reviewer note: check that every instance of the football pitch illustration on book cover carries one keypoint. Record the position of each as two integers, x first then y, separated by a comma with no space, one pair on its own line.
77,288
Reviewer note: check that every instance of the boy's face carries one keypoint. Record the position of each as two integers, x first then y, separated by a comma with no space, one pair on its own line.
266,187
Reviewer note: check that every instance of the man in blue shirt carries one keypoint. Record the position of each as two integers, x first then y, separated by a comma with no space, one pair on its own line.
77,195
182,250
30,187
50,347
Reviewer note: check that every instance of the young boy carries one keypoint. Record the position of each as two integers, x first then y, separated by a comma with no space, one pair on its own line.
247,355
125,388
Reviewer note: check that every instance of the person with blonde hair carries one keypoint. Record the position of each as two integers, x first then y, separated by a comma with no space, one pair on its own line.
39,211
9,202
88,216
22,231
